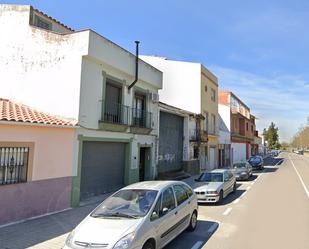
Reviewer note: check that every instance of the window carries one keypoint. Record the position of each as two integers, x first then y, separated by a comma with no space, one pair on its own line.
252,128
168,200
181,194
195,152
156,210
188,190
113,107
206,121
41,23
139,114
234,103
247,126
213,124
13,164
213,95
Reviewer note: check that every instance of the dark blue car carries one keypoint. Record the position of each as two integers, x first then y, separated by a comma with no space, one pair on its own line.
256,162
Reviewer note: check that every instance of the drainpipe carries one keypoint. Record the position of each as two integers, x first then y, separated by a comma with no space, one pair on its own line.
136,66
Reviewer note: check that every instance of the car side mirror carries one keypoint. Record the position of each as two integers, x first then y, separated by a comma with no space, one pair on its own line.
154,216
164,211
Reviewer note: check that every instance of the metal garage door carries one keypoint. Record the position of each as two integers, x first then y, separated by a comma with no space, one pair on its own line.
170,142
102,168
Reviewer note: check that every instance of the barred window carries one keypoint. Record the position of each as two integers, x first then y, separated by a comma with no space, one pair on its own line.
13,164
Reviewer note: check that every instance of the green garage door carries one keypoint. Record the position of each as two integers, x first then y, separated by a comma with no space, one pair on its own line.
102,169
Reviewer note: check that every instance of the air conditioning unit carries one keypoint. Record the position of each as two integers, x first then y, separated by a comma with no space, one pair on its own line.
154,97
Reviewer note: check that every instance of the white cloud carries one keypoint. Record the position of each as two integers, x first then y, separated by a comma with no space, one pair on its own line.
282,99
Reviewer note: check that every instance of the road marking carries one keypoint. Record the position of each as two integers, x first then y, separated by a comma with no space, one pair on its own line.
248,188
197,245
213,227
226,212
243,194
300,178
236,201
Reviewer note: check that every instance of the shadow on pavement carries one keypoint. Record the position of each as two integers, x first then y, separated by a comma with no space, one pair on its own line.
230,198
36,231
251,179
269,170
198,238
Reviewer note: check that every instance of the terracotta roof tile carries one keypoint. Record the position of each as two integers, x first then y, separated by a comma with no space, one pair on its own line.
11,111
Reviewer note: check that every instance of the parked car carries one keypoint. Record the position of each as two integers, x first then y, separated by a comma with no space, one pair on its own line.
299,152
275,153
256,162
145,215
243,170
215,185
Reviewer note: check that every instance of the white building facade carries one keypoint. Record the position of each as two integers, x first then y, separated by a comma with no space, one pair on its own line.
84,76
192,87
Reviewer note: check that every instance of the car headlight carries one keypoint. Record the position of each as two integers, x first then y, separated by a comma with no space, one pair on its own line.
69,240
212,192
125,242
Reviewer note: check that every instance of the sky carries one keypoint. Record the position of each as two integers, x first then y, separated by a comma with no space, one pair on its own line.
258,49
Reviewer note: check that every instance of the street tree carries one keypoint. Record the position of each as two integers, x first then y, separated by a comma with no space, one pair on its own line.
272,137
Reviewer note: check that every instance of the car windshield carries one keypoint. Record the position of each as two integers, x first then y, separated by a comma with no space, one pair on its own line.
128,203
255,160
239,165
210,177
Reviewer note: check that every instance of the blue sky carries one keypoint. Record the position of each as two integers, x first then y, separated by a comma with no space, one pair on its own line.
258,49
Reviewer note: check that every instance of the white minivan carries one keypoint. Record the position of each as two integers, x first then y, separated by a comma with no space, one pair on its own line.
145,215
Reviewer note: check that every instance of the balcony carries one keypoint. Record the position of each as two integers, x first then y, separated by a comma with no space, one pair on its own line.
198,136
118,117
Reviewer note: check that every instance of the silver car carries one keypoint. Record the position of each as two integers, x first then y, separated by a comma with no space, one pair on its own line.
145,215
242,171
215,185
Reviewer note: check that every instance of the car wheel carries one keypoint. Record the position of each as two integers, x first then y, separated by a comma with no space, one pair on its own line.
234,187
221,196
148,245
193,222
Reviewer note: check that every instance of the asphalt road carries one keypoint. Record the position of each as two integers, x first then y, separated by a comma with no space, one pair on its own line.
270,211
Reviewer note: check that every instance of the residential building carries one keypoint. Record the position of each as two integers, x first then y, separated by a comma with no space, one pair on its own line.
36,162
191,86
240,122
181,141
225,152
84,76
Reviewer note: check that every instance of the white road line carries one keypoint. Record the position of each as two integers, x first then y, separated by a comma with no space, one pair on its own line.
236,201
213,227
248,188
197,245
300,178
226,212
243,194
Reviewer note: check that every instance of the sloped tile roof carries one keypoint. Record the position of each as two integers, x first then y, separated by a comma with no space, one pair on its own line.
11,111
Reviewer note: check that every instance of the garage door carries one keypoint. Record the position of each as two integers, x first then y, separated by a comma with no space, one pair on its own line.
102,169
170,142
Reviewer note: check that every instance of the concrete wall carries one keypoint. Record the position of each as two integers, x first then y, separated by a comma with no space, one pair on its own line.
53,148
224,124
239,152
26,200
40,68
181,83
48,187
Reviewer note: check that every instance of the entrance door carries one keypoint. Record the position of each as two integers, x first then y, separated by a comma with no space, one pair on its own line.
212,158
144,163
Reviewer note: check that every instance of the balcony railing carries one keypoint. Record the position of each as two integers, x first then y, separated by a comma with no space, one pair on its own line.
198,136
116,113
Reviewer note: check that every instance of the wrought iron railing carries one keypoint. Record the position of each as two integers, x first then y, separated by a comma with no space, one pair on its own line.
120,114
141,118
116,113
198,135
13,164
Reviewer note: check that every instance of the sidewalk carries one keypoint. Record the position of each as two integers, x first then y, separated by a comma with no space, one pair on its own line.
48,232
